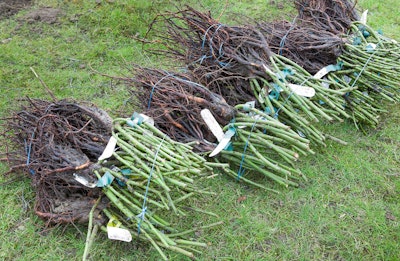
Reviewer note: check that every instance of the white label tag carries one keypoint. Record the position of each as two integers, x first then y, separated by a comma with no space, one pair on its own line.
325,85
267,69
223,143
363,18
370,47
263,95
84,181
121,234
147,119
302,90
108,151
251,104
212,124
321,73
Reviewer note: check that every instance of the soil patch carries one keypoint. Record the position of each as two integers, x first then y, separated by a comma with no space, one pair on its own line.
11,7
45,15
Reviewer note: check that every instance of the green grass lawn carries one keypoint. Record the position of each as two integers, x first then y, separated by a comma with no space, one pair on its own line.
348,210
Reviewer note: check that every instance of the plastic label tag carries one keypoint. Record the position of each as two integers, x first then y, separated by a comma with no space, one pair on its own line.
267,69
301,134
224,142
324,71
304,91
84,181
121,234
325,85
262,95
347,79
138,119
370,47
212,124
108,151
363,18
249,105
147,119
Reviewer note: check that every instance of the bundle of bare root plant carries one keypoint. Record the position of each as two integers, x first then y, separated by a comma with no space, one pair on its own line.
174,101
152,183
369,62
276,153
221,57
218,53
261,147
335,16
310,47
50,141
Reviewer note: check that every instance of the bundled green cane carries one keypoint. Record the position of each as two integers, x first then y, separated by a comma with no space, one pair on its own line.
263,147
149,179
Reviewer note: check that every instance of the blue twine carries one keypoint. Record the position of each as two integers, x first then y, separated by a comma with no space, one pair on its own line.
154,87
196,84
283,40
202,59
241,168
205,36
220,49
28,150
144,207
366,63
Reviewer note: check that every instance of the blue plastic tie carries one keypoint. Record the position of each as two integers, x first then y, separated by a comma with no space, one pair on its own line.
220,49
365,65
283,40
144,207
275,92
28,150
154,87
241,168
205,36
120,182
202,59
126,172
105,180
357,41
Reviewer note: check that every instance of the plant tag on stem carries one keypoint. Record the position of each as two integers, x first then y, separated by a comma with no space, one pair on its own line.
267,69
370,48
147,119
223,143
121,234
212,124
262,95
304,91
324,71
84,181
108,151
363,18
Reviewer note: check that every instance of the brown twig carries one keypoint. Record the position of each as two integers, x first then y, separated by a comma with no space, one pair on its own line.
44,85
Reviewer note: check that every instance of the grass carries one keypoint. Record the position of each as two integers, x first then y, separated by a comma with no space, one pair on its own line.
348,210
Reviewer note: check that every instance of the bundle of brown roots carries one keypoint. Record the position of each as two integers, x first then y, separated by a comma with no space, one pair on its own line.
51,141
334,16
309,47
175,102
221,57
